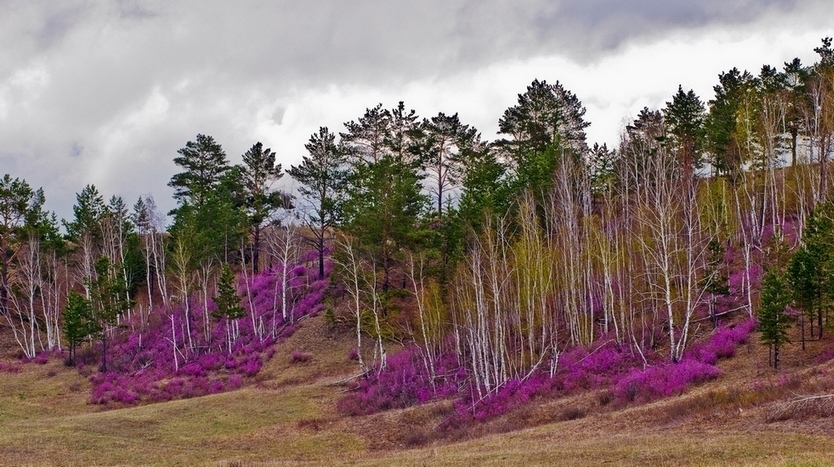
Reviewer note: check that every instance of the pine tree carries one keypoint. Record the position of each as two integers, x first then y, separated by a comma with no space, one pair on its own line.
227,300
720,125
258,173
684,116
773,319
78,325
228,304
384,204
547,124
806,283
322,176
714,281
546,115
444,143
109,300
204,163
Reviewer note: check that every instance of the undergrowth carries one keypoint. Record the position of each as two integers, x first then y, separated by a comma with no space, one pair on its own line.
185,352
618,370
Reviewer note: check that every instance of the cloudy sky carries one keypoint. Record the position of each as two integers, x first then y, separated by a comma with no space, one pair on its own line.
106,91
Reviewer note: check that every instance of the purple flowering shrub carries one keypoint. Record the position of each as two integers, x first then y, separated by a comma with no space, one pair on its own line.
821,358
404,382
653,382
298,356
579,369
185,353
738,278
9,368
619,369
697,365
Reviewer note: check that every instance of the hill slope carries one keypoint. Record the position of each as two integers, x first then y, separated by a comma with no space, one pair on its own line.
287,415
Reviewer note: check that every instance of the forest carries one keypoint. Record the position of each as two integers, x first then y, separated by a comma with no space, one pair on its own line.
483,272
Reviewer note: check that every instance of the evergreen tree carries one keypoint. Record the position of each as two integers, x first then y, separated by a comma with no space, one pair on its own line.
87,213
445,141
546,115
796,76
684,116
109,300
384,203
227,299
485,191
722,138
806,282
85,232
258,173
715,280
204,164
773,319
78,323
228,304
322,177
546,125
810,269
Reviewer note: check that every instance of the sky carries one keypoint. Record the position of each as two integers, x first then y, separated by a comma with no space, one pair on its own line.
105,92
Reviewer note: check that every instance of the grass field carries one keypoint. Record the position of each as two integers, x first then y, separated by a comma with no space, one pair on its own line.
287,416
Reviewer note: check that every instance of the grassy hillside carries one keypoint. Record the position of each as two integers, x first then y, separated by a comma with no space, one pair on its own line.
286,415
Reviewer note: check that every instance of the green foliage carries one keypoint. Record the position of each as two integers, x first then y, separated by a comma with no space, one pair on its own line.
384,208
723,140
546,125
133,263
78,322
212,231
485,191
322,176
810,269
21,215
601,165
684,116
204,165
108,294
87,213
773,319
257,174
445,141
384,204
715,279
227,300
806,280
546,116
108,299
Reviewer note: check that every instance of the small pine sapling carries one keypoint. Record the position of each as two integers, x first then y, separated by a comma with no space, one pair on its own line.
78,317
228,304
773,319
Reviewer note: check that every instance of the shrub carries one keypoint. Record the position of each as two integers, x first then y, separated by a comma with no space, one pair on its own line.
402,383
297,356
142,363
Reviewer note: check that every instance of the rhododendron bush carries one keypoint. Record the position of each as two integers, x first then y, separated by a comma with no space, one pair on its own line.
185,351
625,373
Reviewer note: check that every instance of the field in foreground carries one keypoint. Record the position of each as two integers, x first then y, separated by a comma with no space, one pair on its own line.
287,416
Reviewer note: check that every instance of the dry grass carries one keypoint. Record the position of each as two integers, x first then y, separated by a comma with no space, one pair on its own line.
252,424
287,417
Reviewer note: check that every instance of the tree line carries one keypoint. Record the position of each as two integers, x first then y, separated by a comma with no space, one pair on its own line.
507,251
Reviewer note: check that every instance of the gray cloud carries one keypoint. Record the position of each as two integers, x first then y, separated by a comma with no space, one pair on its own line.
105,92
